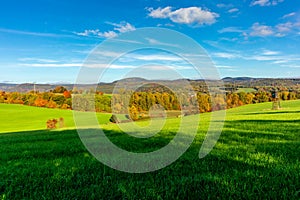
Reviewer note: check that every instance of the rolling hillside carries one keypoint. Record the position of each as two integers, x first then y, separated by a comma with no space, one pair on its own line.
256,156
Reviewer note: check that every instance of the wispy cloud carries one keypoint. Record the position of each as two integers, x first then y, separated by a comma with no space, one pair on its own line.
156,42
265,2
288,15
122,27
225,55
284,28
155,57
42,60
270,53
233,10
49,65
225,66
278,30
232,30
190,15
222,5
97,33
273,57
265,55
261,30
29,33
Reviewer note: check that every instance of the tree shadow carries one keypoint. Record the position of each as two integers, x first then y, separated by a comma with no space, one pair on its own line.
55,164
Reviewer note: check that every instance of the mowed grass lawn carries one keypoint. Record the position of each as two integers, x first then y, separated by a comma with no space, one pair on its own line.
256,157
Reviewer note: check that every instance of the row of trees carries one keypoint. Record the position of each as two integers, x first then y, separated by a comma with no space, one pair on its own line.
45,99
139,102
143,101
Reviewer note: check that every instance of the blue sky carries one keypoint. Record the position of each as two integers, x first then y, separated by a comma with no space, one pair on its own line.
46,41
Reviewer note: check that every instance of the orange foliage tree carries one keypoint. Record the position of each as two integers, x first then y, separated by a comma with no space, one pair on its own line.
40,102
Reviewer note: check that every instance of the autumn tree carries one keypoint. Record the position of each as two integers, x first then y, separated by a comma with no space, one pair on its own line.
40,102
133,113
59,89
67,94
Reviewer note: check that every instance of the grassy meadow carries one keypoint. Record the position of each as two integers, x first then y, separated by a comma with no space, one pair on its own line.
256,157
15,117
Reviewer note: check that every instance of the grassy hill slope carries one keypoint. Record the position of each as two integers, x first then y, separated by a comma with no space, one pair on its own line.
256,156
15,117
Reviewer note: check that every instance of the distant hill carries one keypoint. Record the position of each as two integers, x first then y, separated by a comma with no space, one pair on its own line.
156,85
230,79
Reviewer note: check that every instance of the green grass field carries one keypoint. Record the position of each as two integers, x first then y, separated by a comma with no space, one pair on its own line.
24,118
256,157
246,90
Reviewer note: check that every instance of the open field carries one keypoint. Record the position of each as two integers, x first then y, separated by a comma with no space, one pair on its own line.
257,157
246,90
23,118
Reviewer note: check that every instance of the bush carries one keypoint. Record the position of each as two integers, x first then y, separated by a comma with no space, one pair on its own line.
51,123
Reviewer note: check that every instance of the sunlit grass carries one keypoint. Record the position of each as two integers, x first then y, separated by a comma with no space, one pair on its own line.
23,118
256,157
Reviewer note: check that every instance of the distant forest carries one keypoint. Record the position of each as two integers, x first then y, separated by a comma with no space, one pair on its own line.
236,92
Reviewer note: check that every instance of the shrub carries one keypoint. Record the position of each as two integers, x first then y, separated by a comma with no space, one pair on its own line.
51,123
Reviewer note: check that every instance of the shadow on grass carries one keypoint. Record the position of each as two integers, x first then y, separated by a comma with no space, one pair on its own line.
55,164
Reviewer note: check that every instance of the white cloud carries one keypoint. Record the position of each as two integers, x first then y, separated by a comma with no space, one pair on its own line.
262,58
260,2
155,57
97,33
266,2
225,55
190,15
285,27
231,30
280,61
108,34
160,12
233,10
122,27
51,64
279,30
113,54
38,60
156,42
264,55
222,5
37,34
88,32
270,53
288,15
261,30
274,57
225,66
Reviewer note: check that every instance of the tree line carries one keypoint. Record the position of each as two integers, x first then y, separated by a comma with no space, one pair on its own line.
140,102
